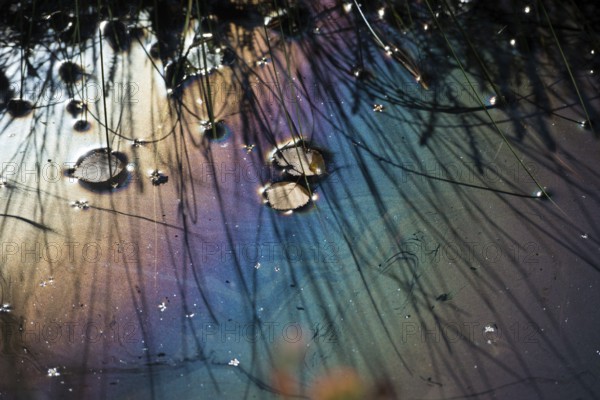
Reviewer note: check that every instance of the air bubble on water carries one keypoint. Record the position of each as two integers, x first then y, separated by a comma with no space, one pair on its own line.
75,107
527,9
70,72
82,125
215,131
513,42
138,142
18,108
94,169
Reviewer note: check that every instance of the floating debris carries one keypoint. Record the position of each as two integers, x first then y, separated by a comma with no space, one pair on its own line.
5,308
158,178
378,107
286,196
235,362
80,204
52,372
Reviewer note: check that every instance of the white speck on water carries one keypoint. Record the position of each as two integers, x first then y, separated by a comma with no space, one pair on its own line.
162,306
235,362
52,372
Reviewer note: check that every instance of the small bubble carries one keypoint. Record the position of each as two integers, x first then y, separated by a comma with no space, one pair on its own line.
75,107
82,125
513,42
